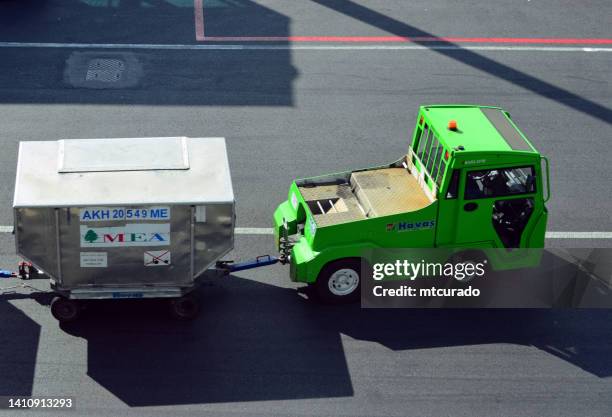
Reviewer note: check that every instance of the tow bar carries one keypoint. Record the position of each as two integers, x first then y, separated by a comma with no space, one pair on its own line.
25,271
230,266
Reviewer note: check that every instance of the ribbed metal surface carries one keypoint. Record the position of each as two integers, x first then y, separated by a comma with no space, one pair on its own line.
506,130
324,192
383,192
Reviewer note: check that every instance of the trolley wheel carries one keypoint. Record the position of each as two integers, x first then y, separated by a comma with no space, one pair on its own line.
65,310
339,281
185,308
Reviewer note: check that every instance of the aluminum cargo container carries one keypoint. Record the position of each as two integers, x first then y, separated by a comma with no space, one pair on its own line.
123,218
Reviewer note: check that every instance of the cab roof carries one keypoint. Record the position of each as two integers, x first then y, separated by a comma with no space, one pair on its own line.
479,129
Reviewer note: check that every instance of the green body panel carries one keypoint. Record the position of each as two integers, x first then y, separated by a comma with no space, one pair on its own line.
474,131
444,222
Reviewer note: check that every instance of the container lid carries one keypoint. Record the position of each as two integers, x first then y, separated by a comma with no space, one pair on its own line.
129,154
125,171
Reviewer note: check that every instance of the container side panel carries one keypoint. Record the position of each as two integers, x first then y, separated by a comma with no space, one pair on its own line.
127,252
214,234
35,237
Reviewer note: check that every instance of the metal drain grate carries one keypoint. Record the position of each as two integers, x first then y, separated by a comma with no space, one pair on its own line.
105,70
102,69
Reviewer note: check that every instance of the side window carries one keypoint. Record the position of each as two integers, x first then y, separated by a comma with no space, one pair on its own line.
422,141
426,147
441,171
439,165
453,186
431,155
499,182
414,144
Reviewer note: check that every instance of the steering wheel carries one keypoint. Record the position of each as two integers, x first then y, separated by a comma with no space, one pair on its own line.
513,216
486,177
479,177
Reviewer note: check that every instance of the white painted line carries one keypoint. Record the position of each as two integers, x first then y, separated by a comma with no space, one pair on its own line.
290,46
549,235
254,231
578,235
270,231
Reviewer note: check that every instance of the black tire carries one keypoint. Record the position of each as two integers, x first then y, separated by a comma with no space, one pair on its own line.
65,310
336,282
185,308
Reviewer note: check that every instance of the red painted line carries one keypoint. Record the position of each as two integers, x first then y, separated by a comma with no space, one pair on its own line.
198,9
406,39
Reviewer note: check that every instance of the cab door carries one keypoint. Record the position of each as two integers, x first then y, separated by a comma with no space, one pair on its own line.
497,207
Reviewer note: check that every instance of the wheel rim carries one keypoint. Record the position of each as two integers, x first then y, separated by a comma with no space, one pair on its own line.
343,282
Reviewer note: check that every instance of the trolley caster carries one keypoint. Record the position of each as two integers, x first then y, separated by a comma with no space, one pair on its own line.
64,309
185,308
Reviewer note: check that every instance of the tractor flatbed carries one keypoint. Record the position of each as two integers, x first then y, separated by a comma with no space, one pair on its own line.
383,192
337,203
367,194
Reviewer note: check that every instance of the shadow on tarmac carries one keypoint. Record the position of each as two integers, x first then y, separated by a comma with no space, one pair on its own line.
213,77
137,76
252,342
99,21
257,342
19,338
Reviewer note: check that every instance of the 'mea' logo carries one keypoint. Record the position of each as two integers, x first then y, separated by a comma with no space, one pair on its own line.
129,235
92,237
410,226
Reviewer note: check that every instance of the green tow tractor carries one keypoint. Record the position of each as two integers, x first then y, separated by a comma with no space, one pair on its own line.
470,182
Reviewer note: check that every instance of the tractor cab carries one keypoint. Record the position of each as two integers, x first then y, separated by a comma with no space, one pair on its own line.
485,174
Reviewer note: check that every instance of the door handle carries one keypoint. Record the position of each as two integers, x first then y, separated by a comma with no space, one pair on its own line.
470,207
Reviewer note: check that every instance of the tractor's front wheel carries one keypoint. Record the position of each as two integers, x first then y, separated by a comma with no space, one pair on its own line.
339,281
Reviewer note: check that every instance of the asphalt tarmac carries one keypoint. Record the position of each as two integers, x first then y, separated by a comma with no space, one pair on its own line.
291,109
